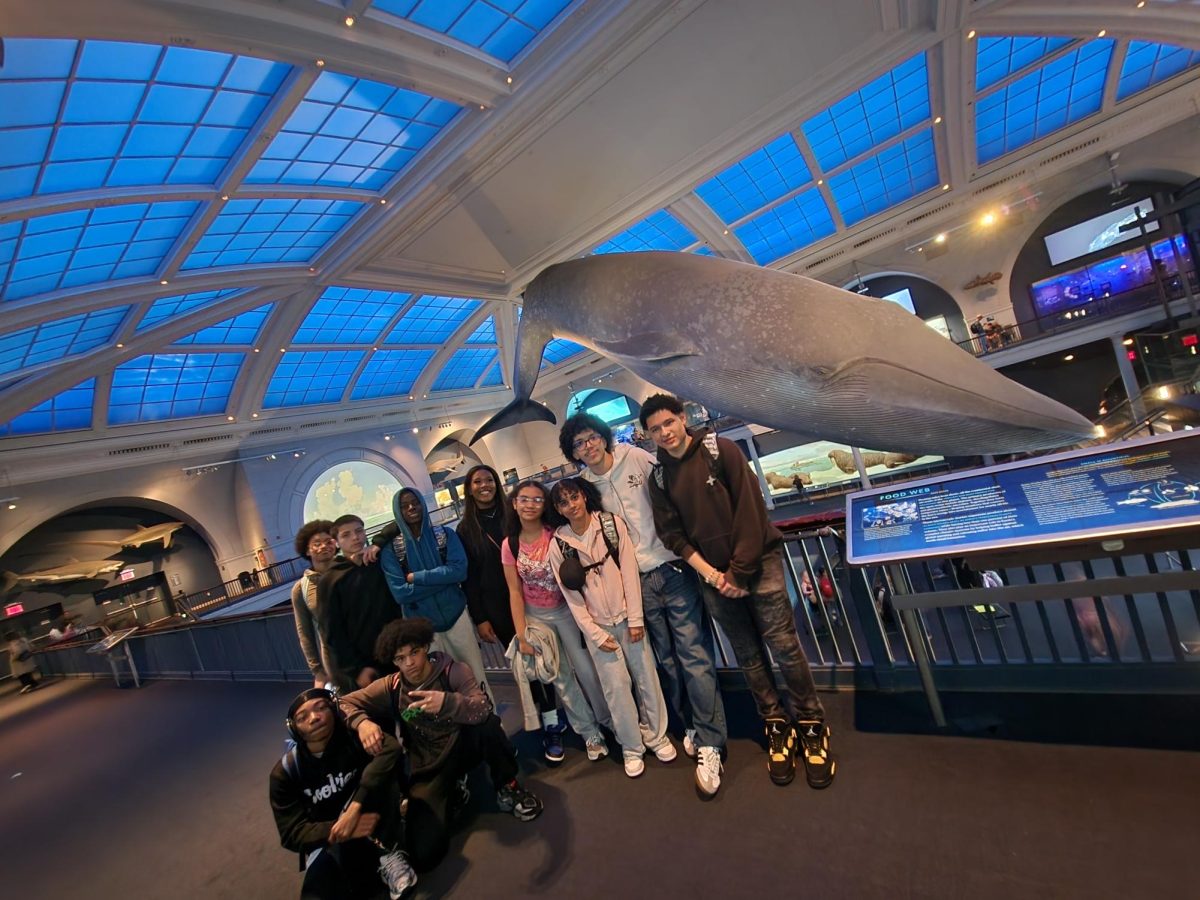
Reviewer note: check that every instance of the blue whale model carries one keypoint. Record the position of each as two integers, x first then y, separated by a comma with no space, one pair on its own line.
781,350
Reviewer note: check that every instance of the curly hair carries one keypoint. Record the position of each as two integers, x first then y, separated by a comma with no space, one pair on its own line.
306,533
582,422
416,632
658,403
571,486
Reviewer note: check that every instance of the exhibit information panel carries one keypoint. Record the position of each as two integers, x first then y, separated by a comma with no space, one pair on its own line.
1134,487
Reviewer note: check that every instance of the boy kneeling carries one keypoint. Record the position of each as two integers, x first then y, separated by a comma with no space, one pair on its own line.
338,806
445,720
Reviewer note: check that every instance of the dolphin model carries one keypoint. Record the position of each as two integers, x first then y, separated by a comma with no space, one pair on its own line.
73,571
780,350
144,535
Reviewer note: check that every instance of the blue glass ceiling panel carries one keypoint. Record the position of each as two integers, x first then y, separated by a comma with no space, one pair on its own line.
58,339
270,231
70,410
171,386
485,333
500,28
242,330
390,373
892,176
889,105
493,378
705,250
661,231
83,115
166,308
1063,91
559,350
87,246
311,377
350,132
998,57
762,177
463,369
787,227
431,320
349,316
1146,64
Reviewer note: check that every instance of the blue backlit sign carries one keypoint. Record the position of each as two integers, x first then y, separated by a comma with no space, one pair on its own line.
1107,491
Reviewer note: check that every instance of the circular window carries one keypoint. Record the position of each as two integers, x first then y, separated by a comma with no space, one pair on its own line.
361,488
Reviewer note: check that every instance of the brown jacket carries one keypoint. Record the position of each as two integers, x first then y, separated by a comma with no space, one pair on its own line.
724,518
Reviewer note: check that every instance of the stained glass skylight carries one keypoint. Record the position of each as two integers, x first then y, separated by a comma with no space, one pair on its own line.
350,132
494,377
308,377
889,177
431,320
78,115
349,316
998,57
240,331
463,369
559,350
877,112
1063,91
500,28
485,333
86,246
172,385
785,228
390,373
166,308
661,231
68,411
270,231
762,177
1146,64
59,339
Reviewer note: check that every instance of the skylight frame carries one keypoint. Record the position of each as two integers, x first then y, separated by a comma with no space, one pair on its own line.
168,385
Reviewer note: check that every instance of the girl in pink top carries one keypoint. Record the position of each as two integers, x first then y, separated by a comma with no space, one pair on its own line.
534,594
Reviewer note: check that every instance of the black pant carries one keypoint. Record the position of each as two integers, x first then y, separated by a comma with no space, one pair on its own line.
428,821
349,871
27,679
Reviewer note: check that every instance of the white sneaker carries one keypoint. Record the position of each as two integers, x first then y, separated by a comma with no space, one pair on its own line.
596,749
397,874
689,743
666,753
634,766
708,771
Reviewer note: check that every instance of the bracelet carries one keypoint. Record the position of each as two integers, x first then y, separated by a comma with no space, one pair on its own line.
711,580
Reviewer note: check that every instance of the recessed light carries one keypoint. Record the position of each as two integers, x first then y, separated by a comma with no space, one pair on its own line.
12,506
256,350
1068,357
387,437
224,196
1141,3
283,349
937,120
971,34
320,63
1102,32
988,219
508,79
416,430
164,281
1128,342
229,418
254,415
940,238
349,21
920,249
726,231
383,201
119,346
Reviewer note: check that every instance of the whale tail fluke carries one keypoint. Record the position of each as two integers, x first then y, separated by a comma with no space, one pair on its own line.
520,410
10,580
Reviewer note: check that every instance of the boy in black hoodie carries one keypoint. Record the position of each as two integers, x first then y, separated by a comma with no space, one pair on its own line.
338,806
446,723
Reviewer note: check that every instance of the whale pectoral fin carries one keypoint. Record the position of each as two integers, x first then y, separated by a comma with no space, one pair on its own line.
649,345
520,410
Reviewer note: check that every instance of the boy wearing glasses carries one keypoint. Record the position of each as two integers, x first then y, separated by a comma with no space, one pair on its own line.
679,633
445,721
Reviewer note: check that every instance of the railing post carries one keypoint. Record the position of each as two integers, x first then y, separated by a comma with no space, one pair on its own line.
919,649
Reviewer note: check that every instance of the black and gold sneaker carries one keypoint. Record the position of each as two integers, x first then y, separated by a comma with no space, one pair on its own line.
819,766
781,750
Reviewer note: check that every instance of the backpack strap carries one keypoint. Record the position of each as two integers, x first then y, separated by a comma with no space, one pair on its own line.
400,548
439,534
608,528
657,472
566,549
713,458
291,761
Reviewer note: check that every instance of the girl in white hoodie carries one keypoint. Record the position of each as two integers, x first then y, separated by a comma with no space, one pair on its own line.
608,608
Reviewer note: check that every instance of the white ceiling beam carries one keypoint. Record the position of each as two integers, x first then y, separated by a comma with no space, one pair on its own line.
452,345
701,221
952,91
1168,23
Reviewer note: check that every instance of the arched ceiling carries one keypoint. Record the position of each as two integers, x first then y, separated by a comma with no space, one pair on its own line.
241,216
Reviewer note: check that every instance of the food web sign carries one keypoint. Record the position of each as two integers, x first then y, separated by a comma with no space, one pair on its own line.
1152,484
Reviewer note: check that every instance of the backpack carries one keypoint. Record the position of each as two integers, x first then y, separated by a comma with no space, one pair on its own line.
572,572
400,546
713,457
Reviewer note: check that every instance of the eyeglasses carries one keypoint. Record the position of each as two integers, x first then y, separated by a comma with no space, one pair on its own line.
530,501
584,442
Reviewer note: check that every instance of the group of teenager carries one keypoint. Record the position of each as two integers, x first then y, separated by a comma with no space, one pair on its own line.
600,589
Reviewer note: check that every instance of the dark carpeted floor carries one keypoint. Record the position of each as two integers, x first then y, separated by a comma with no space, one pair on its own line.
161,793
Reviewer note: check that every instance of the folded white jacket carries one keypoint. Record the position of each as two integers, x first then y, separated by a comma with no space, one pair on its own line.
542,666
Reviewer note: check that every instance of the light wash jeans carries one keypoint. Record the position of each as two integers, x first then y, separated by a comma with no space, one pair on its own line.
683,644
461,642
577,685
630,682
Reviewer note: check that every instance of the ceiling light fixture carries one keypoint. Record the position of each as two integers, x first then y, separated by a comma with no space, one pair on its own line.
349,21
229,418
224,196
208,468
254,415
940,238
945,187
1068,357
937,120
120,346
383,201
320,63
988,219
11,501
416,430
164,281
508,79
1128,342
971,35
1102,32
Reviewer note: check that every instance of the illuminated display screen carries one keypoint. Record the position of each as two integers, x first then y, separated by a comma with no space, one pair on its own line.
1097,233
1108,277
1138,486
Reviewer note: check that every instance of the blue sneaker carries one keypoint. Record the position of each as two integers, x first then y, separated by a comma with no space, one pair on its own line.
552,743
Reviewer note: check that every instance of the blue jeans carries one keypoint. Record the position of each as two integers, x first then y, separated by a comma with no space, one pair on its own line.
683,644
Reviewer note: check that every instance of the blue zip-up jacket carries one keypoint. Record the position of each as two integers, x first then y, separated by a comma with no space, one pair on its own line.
434,592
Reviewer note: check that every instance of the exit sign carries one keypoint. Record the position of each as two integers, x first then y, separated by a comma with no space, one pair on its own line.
13,609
